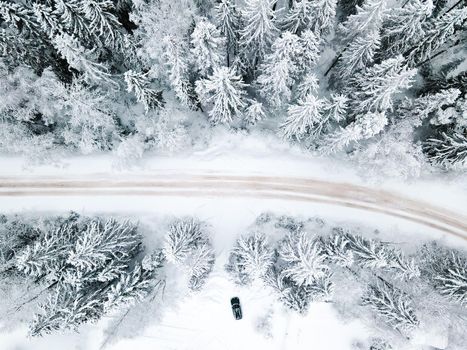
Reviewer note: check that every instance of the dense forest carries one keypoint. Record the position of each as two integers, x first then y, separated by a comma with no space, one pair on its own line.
382,82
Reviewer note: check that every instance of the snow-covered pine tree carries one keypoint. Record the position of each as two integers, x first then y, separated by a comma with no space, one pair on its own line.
46,18
323,13
404,26
358,55
439,31
448,150
295,297
299,16
67,308
391,305
367,252
336,107
254,113
175,57
309,54
373,89
303,119
103,22
200,265
20,17
46,255
304,258
73,20
427,106
338,251
103,242
322,288
130,288
279,70
250,259
451,281
259,29
208,47
80,59
182,237
228,22
140,85
369,18
309,85
224,92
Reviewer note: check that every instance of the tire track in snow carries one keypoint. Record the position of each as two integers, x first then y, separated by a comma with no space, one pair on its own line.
263,187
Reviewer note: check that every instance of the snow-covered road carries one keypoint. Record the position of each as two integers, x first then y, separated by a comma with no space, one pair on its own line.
367,199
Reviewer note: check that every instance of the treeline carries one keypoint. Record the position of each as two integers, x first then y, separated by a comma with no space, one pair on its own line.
381,81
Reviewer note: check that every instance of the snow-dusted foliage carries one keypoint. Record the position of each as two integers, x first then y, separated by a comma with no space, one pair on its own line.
392,305
224,92
139,84
305,258
208,47
187,245
251,258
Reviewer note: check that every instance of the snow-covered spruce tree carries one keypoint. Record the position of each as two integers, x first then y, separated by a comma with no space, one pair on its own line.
67,308
103,22
373,89
258,31
369,18
304,258
308,85
448,151
175,57
250,259
358,55
254,113
338,251
130,288
80,59
228,21
451,280
73,19
366,23
279,70
311,116
188,246
224,93
20,17
140,85
47,255
182,236
295,296
404,26
208,47
200,265
102,242
439,31
303,118
299,17
323,13
309,53
391,305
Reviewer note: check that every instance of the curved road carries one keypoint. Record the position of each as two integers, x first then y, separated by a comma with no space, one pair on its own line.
285,188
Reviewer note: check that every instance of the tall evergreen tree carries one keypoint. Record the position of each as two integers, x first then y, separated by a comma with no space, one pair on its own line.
439,31
208,47
224,92
405,26
259,29
280,69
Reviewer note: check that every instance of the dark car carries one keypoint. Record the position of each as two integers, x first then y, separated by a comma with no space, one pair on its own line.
236,308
